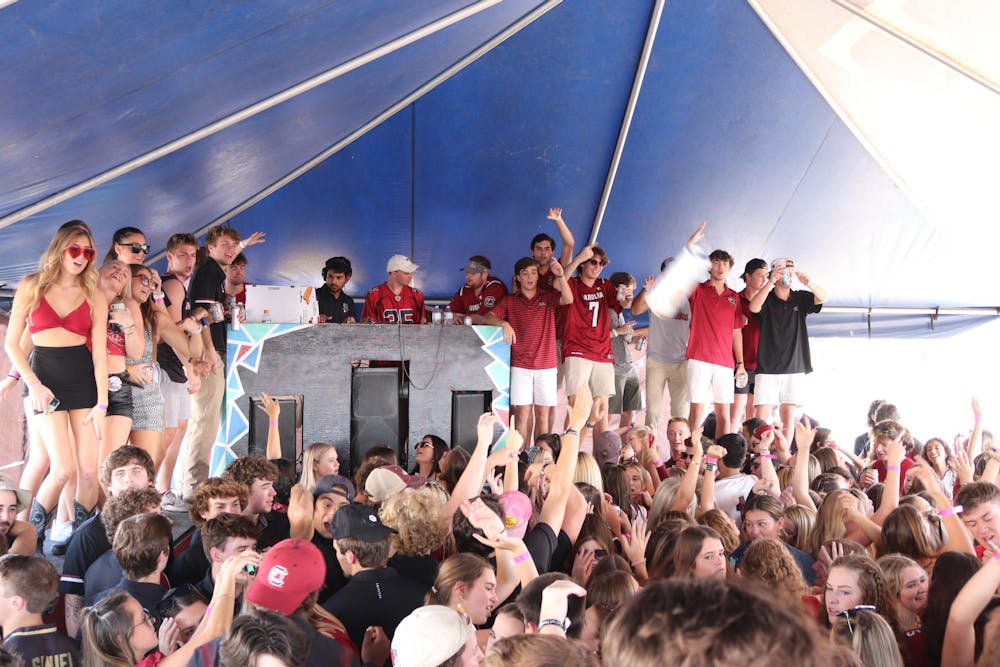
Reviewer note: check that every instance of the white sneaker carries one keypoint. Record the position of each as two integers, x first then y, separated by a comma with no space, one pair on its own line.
174,503
61,531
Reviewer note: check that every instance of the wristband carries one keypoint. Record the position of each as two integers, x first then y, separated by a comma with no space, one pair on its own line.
657,463
158,298
571,431
948,511
274,422
892,468
978,419
14,374
996,555
711,459
523,557
639,563
588,424
768,456
103,407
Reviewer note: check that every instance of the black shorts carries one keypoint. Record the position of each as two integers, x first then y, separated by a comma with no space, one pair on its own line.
750,383
68,372
119,395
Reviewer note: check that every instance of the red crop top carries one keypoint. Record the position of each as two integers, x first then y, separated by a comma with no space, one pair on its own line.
45,317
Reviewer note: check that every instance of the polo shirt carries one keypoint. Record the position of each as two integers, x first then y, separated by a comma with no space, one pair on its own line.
337,309
784,338
534,324
714,317
148,595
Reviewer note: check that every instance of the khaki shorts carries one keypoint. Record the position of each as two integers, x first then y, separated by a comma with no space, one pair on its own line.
599,375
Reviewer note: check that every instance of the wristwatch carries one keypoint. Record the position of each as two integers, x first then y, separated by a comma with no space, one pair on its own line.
564,623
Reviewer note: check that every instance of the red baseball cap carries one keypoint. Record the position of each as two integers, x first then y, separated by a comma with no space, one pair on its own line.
291,570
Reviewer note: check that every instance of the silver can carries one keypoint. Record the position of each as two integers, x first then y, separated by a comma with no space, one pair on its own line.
217,313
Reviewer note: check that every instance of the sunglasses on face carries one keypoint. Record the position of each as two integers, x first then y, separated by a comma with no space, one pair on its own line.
686,456
136,248
422,445
76,250
595,262
144,280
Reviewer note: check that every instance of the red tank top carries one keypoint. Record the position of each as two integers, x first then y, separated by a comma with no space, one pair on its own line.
116,342
45,317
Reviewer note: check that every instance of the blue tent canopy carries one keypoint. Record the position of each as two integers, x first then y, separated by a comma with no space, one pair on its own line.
448,128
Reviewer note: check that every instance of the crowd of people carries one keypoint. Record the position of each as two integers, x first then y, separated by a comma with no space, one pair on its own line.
747,537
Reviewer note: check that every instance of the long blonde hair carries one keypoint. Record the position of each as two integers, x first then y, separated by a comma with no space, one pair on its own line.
50,266
312,454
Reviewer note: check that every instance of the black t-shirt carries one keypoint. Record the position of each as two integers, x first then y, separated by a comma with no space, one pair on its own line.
43,645
274,527
784,340
541,543
191,565
375,597
86,545
164,353
209,284
335,579
422,569
337,309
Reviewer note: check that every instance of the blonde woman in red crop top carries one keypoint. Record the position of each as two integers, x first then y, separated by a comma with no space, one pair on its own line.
67,378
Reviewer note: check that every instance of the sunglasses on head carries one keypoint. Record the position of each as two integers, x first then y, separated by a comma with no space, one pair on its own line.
76,250
848,614
137,247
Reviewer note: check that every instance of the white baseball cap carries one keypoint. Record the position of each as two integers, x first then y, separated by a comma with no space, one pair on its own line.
401,263
429,636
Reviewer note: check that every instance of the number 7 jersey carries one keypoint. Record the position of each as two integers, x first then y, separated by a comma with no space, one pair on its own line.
586,331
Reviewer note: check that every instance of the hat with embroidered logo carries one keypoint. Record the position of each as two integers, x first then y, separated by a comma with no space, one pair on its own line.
291,570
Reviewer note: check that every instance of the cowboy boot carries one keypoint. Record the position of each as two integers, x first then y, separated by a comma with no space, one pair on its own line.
81,514
39,517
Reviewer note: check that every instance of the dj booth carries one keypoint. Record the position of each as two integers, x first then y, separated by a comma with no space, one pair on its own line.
360,385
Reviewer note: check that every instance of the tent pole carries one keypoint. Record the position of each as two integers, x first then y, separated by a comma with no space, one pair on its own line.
248,112
379,119
942,58
647,48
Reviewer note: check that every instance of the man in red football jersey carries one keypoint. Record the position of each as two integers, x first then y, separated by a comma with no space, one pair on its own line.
528,318
480,293
586,332
394,301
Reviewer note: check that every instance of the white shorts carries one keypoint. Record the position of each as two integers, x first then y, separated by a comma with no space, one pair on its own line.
533,387
176,402
709,383
599,375
784,389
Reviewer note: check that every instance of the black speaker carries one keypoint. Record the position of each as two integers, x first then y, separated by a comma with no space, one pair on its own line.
289,427
378,411
466,406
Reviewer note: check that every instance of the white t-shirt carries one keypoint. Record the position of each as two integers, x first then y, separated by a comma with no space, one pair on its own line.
729,492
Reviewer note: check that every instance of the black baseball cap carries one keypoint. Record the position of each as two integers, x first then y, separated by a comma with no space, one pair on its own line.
360,522
335,484
753,265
